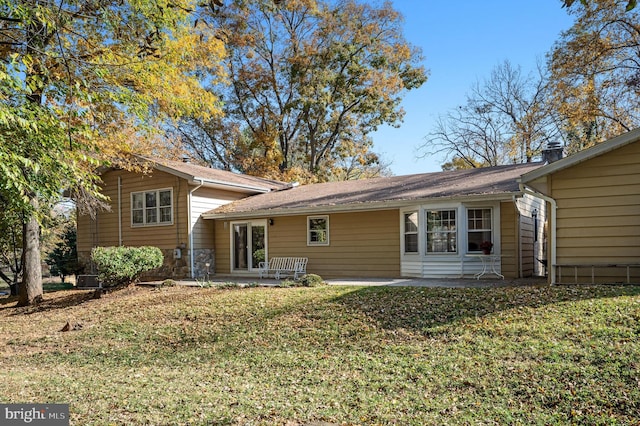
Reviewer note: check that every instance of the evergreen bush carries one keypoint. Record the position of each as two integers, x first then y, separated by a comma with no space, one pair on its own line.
311,280
123,265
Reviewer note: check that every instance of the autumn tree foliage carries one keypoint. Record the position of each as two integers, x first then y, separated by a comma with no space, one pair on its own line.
84,82
630,4
309,80
595,68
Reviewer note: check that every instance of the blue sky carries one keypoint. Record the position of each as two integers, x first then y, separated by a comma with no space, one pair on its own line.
462,41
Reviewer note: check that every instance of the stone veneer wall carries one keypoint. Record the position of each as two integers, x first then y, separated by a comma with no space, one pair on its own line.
202,257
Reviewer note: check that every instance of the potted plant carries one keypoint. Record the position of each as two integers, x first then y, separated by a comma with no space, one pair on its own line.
486,247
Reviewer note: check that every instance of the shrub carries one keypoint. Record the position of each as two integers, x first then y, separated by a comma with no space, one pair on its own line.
311,280
123,265
204,283
169,283
228,285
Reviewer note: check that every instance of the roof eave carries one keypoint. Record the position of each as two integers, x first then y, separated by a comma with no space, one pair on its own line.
228,185
581,156
212,183
360,207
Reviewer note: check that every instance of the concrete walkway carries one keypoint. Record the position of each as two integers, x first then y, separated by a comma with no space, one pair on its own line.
441,282
393,282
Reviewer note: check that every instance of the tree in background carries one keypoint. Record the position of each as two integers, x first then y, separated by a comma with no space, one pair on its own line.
10,245
63,258
506,119
305,76
595,70
81,80
631,4
54,224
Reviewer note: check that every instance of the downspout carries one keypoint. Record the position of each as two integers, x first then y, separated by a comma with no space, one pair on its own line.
190,230
119,210
518,234
552,227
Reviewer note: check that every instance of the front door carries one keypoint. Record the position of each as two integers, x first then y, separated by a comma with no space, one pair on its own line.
249,245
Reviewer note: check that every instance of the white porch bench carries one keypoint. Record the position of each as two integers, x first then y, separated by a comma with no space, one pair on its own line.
283,266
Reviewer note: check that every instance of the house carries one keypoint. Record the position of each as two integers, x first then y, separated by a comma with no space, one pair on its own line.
425,225
163,208
579,215
594,220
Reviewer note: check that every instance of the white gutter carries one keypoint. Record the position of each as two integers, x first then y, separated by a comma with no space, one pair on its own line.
119,210
519,235
227,185
354,207
552,227
191,254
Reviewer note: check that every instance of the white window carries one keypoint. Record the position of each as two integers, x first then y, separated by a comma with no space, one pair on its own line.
479,228
318,230
152,207
441,231
411,232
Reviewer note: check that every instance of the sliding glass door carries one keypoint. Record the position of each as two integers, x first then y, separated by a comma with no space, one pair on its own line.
249,246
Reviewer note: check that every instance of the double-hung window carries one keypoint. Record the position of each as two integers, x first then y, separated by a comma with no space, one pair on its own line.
152,207
441,231
479,228
411,232
318,230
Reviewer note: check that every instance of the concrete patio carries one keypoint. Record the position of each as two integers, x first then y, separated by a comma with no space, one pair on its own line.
393,282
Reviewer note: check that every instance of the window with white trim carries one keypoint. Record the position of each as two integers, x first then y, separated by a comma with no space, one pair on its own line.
152,207
479,228
441,231
411,232
318,230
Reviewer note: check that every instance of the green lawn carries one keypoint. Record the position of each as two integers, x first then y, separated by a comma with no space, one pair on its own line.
341,355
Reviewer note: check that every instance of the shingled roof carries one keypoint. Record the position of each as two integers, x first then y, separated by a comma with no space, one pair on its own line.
216,177
498,182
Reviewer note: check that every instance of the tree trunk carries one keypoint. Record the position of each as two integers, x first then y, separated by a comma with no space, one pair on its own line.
31,286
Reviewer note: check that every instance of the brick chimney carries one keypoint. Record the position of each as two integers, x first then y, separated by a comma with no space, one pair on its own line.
554,151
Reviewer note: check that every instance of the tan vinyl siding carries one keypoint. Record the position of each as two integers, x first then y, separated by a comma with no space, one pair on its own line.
362,244
104,230
599,212
509,239
162,236
222,243
85,232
